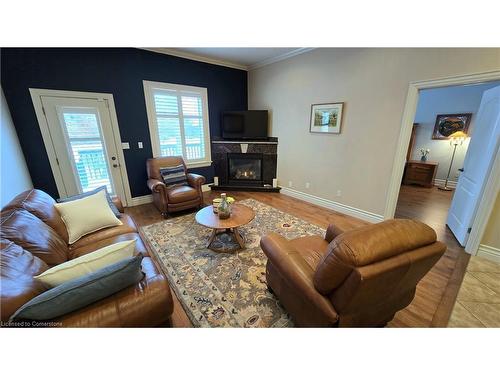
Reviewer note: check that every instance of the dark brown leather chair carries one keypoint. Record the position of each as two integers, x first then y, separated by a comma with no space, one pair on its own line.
177,198
34,238
357,278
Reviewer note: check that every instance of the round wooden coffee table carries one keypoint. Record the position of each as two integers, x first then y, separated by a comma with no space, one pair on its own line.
240,215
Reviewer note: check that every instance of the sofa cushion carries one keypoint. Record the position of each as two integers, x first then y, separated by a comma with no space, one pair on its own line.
146,304
33,235
93,246
41,205
128,226
87,215
87,263
112,206
83,291
181,194
17,285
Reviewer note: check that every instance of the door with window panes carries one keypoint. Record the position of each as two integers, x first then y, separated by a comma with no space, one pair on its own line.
84,144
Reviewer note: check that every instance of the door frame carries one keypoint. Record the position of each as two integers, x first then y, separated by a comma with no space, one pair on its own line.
36,98
491,184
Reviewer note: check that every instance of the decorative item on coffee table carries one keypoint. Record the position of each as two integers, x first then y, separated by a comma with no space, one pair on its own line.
240,215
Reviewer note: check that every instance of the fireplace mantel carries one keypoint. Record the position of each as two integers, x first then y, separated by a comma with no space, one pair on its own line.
268,151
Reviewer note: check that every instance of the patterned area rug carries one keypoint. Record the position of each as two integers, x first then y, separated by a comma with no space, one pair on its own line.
224,289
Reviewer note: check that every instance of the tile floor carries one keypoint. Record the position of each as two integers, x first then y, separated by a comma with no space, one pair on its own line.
478,301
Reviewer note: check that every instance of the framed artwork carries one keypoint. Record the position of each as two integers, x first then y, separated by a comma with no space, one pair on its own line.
446,125
326,118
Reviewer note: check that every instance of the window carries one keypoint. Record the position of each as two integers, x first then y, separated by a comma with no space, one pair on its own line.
178,122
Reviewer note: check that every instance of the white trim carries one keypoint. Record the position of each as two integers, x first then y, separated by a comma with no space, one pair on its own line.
282,57
489,252
229,64
36,97
149,86
339,207
195,57
145,199
249,142
493,181
440,182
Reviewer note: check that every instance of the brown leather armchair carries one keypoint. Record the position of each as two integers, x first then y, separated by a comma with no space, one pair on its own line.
177,198
357,278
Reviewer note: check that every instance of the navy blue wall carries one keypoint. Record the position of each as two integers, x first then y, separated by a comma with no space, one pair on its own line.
118,71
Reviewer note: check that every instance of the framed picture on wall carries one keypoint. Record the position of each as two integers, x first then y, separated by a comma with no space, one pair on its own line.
326,118
448,124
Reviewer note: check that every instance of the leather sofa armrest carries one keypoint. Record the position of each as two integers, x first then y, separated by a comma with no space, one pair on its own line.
118,203
298,274
335,230
195,180
155,185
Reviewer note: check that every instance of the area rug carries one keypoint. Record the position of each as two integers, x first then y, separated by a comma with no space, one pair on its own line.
224,289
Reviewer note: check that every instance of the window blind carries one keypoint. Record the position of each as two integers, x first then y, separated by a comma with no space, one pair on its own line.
179,117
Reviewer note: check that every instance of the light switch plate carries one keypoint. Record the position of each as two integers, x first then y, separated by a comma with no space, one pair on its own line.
139,144
125,146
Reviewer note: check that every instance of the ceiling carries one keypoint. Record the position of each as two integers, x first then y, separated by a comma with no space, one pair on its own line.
240,58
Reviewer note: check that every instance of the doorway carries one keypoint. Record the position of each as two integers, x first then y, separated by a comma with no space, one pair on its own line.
82,141
435,189
491,180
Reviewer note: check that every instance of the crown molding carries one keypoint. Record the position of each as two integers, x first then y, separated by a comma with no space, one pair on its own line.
272,60
192,56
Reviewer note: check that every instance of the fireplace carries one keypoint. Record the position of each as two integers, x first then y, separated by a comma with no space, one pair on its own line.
245,165
244,169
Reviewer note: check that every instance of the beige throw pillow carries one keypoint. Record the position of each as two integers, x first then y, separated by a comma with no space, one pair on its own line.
87,263
86,215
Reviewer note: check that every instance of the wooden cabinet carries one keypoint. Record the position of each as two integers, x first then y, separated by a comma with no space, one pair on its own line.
420,173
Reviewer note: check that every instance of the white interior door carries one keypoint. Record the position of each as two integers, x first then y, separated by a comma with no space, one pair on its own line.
481,153
84,144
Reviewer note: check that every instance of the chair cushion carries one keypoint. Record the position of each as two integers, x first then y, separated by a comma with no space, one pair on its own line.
311,248
83,291
33,235
17,285
181,194
128,226
83,195
87,215
366,245
87,263
174,176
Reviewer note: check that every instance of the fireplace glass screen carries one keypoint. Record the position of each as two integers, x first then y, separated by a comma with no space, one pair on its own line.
245,169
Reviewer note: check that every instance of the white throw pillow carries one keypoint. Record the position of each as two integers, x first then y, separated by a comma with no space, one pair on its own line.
86,215
87,263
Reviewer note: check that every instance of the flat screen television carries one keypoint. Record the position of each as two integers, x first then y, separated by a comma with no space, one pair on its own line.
244,125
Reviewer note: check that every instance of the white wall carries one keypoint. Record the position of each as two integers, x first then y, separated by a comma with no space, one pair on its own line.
373,83
14,176
454,99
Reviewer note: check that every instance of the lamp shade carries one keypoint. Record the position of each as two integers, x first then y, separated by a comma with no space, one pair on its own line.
459,134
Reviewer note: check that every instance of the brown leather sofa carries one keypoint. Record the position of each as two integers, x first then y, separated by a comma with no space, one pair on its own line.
354,278
34,238
177,198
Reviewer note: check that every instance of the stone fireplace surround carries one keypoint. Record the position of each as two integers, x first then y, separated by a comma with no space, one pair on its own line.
266,150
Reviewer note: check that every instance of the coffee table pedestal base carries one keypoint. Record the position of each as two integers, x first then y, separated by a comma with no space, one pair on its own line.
237,236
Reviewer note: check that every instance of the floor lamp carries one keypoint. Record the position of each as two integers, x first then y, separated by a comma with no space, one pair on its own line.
456,139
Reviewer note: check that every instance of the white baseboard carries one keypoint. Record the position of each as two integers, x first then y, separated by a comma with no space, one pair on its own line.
339,207
440,182
145,199
489,252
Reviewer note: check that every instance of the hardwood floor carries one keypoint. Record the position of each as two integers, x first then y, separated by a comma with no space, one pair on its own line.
437,291
427,309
